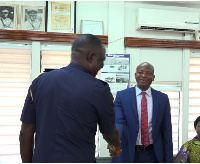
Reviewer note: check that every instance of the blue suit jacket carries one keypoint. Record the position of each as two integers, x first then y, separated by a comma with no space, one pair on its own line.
128,125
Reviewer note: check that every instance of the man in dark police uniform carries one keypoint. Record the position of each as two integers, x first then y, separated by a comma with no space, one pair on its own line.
64,106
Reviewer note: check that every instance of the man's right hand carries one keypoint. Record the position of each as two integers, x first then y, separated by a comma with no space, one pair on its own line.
114,151
114,144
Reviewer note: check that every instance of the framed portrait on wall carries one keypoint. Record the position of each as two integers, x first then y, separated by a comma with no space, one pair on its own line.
8,16
33,18
61,16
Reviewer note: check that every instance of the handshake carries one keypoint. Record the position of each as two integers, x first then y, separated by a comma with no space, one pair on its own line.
114,144
114,151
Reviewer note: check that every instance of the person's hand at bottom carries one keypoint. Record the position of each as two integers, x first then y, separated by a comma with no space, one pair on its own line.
114,151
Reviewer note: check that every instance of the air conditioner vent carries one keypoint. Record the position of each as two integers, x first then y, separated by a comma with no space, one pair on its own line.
167,20
167,29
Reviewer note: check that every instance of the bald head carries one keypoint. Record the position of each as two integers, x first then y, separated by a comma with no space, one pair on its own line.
84,44
89,52
146,64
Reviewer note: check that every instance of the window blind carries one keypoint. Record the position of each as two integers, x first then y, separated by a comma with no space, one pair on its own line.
194,94
15,77
55,59
174,98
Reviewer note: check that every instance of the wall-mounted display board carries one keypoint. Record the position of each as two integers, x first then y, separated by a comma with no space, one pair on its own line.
116,71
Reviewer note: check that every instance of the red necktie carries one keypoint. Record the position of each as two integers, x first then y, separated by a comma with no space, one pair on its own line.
144,121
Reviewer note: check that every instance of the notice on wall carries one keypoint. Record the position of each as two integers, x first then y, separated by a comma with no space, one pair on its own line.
60,16
116,71
92,27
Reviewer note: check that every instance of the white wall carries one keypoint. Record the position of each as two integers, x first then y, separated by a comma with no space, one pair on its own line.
92,10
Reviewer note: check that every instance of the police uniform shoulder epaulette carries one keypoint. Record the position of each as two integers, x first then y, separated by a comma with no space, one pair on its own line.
35,79
31,93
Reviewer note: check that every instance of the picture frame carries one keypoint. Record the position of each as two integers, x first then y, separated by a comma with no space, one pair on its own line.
33,18
92,27
8,16
61,16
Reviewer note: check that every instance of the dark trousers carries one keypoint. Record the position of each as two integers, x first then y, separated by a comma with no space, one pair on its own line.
145,156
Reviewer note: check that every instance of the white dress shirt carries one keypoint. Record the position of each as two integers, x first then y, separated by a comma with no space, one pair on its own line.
150,113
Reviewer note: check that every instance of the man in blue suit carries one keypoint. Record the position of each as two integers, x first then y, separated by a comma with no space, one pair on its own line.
128,121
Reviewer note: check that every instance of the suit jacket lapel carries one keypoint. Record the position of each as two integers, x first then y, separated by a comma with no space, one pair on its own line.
133,100
155,106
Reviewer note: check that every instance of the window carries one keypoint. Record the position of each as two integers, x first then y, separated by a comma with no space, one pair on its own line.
55,59
174,98
194,94
15,78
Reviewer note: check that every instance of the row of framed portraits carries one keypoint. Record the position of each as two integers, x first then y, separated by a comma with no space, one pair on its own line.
54,17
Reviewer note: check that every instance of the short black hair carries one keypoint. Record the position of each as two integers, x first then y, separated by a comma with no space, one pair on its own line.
196,122
86,40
